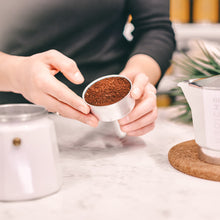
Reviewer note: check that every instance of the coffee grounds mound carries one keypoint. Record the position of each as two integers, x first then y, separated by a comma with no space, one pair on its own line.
107,91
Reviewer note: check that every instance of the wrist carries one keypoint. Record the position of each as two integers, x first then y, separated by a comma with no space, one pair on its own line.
141,63
9,67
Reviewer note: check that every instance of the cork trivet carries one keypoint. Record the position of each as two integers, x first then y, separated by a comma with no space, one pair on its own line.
185,158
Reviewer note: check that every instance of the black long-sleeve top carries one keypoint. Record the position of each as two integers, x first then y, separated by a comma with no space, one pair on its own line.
88,31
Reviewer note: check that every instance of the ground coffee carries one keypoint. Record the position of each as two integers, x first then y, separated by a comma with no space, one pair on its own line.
107,91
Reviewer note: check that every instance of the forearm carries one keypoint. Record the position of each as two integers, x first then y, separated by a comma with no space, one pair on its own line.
142,63
153,34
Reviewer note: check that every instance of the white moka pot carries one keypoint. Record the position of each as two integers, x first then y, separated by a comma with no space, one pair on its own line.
28,153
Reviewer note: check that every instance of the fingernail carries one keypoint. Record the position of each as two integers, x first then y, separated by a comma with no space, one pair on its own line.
152,93
88,122
91,122
136,92
78,77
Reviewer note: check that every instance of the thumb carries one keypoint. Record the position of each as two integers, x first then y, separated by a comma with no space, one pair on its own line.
139,83
65,65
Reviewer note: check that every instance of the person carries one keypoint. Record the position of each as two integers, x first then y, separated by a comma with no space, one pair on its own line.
50,51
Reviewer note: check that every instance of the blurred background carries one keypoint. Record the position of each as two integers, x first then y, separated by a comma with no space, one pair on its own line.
193,21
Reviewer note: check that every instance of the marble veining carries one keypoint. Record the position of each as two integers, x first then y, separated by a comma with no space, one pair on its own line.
107,178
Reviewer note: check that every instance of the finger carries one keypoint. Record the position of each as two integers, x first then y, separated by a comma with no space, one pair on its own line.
138,85
142,131
151,88
141,109
141,122
54,105
65,65
50,85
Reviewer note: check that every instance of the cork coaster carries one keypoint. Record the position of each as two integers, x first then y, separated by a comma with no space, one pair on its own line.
185,158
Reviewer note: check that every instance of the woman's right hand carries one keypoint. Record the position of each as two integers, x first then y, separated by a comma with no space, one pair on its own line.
33,77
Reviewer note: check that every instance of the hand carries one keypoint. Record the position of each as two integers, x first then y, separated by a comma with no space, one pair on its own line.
142,118
35,80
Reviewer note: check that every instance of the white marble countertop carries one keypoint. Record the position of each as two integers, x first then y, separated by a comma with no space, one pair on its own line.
108,179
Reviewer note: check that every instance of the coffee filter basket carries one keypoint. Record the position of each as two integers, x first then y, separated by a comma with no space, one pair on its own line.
113,112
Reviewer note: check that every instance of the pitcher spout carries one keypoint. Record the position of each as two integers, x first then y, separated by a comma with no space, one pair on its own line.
184,85
191,93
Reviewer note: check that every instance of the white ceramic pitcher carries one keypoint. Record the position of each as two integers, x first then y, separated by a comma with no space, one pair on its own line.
203,96
28,153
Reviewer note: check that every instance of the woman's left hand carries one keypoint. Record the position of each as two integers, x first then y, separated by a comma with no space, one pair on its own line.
142,118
